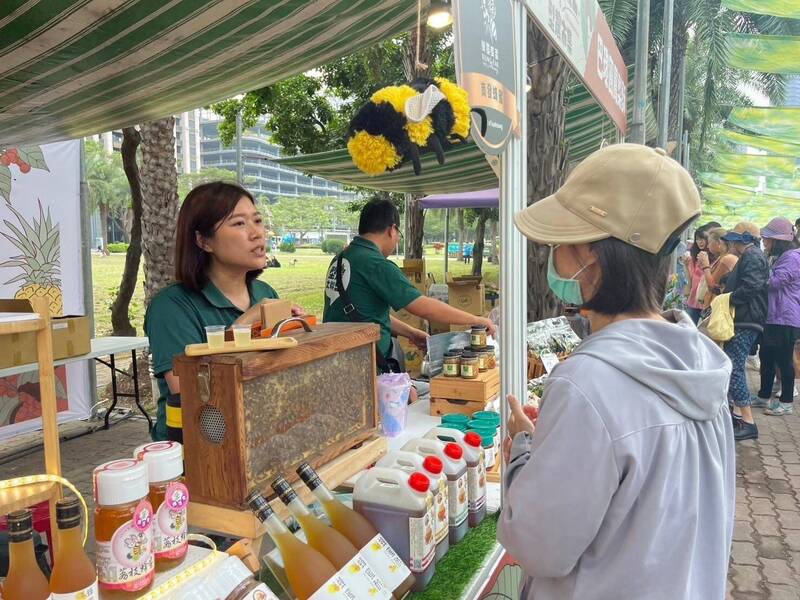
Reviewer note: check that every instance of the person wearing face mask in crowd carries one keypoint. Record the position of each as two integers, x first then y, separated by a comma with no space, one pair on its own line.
220,250
747,284
625,487
782,329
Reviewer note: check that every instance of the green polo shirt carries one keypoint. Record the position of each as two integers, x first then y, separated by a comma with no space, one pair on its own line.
178,316
374,285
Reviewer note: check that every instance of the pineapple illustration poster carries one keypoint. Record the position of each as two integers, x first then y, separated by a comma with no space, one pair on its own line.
40,246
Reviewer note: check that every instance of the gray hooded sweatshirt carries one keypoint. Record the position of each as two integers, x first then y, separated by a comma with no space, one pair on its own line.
626,489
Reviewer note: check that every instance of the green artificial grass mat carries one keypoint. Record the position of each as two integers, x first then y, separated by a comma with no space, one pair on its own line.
456,570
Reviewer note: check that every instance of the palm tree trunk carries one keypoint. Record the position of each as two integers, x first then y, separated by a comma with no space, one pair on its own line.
159,204
415,234
477,248
547,155
461,234
680,40
493,242
120,318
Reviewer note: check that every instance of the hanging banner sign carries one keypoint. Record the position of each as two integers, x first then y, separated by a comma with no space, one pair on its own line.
579,32
485,67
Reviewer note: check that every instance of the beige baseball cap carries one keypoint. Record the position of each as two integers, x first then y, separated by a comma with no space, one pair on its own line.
627,191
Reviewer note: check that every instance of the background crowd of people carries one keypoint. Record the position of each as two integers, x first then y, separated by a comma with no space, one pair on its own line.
760,268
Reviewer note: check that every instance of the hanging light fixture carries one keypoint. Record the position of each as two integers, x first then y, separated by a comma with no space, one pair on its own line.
439,14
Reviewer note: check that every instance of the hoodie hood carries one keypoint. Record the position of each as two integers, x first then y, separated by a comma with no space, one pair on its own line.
685,368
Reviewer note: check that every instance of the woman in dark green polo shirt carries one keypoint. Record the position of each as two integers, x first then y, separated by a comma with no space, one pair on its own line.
219,253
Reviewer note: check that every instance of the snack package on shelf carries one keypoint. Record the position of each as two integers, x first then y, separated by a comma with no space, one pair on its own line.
551,335
535,390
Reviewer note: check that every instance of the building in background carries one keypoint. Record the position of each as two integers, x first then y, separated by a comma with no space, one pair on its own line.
265,178
187,141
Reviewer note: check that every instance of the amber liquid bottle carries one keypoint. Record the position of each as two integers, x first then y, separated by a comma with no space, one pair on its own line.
25,580
306,569
354,526
73,575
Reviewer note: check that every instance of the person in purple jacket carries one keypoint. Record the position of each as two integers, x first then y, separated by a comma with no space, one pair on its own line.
782,328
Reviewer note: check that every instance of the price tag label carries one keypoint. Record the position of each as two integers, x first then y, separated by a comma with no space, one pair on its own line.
549,360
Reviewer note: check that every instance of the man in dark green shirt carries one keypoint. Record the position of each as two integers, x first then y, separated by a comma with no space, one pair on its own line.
375,284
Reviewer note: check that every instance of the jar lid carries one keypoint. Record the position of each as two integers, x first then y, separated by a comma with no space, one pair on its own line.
469,355
120,482
477,349
452,353
479,327
229,574
419,482
164,460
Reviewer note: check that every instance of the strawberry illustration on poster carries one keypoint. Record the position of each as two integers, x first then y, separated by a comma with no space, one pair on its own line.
39,228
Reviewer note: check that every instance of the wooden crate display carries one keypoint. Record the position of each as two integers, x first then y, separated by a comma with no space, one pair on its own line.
536,368
249,417
466,396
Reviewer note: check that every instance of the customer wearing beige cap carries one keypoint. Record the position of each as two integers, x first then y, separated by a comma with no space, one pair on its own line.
626,487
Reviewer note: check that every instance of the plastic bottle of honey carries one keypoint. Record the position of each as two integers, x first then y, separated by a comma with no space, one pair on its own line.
306,569
170,499
123,529
433,468
455,470
472,445
74,576
362,534
357,573
25,580
400,506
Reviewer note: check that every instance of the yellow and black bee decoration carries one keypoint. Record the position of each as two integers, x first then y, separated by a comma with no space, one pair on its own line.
401,121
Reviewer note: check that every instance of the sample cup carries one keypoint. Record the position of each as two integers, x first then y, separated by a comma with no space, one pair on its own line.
241,336
215,336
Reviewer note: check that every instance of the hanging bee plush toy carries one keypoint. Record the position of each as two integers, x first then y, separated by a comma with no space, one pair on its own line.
401,121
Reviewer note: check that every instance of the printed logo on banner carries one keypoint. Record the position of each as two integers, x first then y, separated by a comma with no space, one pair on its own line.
486,67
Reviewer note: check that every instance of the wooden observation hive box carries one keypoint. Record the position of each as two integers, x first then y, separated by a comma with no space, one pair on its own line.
249,417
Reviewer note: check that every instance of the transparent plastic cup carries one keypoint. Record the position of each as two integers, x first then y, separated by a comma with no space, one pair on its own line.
215,336
241,336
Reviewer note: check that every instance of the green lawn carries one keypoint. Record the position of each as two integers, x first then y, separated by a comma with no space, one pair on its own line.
301,282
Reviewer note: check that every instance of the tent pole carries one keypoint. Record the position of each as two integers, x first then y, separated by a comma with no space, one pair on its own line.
513,258
666,72
637,134
446,240
86,265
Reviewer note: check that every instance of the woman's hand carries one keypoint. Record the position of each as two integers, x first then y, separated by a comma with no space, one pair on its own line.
491,328
520,419
702,259
298,311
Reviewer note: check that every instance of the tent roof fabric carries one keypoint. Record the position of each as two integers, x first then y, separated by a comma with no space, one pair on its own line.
776,8
482,199
465,169
70,68
762,142
781,123
764,53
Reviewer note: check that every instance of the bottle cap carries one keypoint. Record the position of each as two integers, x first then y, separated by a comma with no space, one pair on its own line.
419,482
433,464
259,505
227,576
473,439
285,491
120,482
68,513
164,460
20,525
454,451
309,476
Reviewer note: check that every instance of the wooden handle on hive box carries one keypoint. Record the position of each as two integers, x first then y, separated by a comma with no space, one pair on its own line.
279,326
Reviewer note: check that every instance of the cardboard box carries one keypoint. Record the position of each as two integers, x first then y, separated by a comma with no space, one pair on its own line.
456,328
274,311
413,357
467,294
416,271
71,337
409,319
436,328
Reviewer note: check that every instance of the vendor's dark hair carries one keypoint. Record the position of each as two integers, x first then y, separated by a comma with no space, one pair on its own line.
377,216
781,246
633,280
203,209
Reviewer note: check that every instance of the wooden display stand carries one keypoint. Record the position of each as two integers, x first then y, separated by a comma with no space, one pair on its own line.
24,496
243,524
465,396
